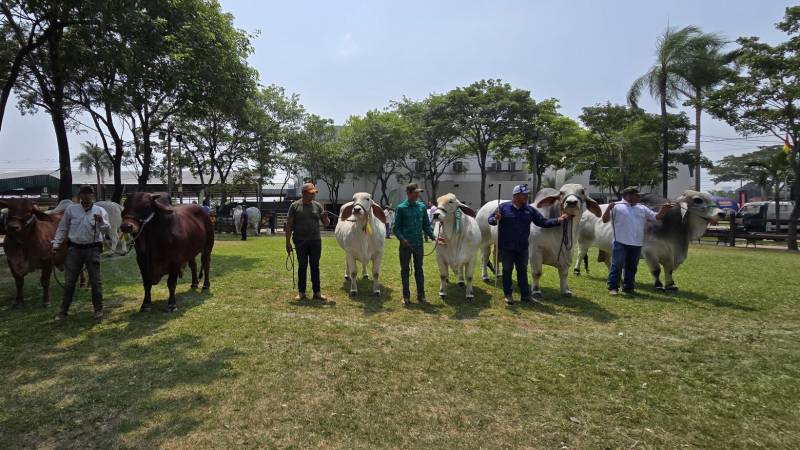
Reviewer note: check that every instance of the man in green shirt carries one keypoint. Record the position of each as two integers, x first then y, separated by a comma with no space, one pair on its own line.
303,224
410,221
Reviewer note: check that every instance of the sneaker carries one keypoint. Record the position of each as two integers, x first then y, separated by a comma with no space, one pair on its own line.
422,300
613,292
629,292
60,316
98,314
509,300
318,296
406,301
301,296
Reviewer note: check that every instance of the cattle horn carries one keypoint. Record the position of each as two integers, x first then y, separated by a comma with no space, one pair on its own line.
378,212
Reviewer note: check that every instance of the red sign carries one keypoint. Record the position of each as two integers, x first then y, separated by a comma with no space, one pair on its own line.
742,198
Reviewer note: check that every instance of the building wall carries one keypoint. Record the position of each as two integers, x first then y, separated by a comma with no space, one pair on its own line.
466,185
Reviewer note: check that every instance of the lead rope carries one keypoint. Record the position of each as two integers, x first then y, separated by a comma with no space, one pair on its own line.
566,238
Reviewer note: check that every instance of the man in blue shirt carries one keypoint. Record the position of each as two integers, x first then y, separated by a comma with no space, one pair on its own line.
514,220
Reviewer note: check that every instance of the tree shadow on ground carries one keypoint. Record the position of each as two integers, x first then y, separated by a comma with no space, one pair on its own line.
83,383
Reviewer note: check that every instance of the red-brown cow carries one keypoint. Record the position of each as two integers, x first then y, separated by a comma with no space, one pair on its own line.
28,244
167,239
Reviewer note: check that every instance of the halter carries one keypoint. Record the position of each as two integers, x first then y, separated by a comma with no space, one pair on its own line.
141,230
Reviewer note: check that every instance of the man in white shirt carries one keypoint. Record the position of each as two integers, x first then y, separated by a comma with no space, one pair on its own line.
628,219
83,227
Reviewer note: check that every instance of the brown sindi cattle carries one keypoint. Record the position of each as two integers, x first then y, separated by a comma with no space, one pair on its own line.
28,244
167,239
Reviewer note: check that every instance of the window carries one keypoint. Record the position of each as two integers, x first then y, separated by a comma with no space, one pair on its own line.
512,166
459,167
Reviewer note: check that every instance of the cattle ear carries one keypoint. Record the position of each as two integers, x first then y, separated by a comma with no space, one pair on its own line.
347,211
547,201
378,212
466,209
158,206
592,206
41,215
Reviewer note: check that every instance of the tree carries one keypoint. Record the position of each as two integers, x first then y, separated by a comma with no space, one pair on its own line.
484,114
675,50
768,167
379,141
763,96
622,146
94,159
433,132
705,70
323,154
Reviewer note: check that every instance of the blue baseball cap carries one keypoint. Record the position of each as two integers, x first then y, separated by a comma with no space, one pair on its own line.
520,189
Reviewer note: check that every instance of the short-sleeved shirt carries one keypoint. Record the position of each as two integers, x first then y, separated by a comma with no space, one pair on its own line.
307,218
629,221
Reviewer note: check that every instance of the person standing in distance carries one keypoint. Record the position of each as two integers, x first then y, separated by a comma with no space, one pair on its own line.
244,219
410,222
513,220
302,228
628,219
83,225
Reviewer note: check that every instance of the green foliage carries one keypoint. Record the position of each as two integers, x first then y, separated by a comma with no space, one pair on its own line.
321,151
768,167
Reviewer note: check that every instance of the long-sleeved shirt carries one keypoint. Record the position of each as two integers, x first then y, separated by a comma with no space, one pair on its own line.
79,225
515,225
410,221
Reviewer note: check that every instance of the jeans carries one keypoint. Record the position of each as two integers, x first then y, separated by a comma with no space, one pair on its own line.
406,252
244,230
76,259
626,256
308,254
515,258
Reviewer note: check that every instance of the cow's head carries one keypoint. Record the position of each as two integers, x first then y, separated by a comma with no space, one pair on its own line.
142,207
21,213
700,204
361,207
446,207
573,201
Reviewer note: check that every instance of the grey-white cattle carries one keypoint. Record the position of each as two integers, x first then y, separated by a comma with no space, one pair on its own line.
553,246
666,242
112,239
361,232
460,239
488,236
253,220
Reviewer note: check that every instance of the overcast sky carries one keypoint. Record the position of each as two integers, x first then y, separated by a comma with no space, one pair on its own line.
347,57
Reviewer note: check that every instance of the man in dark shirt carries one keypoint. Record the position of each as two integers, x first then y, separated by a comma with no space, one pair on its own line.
245,219
302,224
514,219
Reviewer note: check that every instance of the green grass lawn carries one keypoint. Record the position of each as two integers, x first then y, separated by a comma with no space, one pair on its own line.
715,365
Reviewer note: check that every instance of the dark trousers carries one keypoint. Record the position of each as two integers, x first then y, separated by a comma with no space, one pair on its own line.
627,257
76,259
244,230
406,253
511,259
308,254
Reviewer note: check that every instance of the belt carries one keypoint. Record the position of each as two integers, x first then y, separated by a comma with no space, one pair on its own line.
84,246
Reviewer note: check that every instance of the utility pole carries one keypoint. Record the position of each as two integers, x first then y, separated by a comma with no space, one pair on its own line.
179,139
169,160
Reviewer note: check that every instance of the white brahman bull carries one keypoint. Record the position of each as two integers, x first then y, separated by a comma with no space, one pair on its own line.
361,232
666,242
488,236
253,220
112,239
553,246
459,238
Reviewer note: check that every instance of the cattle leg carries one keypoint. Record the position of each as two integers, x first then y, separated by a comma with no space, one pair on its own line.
563,272
485,255
582,252
353,268
468,270
669,283
364,271
536,274
461,276
19,281
444,272
655,270
376,273
193,267
205,260
45,281
172,282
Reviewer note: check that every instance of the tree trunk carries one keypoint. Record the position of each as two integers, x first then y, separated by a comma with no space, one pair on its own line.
482,165
664,143
64,159
698,112
147,159
791,240
99,190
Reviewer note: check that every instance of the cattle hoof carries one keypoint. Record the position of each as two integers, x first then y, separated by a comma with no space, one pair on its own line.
442,295
347,277
536,294
577,273
660,288
171,308
377,293
567,293
353,293
671,287
366,277
145,308
206,288
470,296
194,286
485,279
461,284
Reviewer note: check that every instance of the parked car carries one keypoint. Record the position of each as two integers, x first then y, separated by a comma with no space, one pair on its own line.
761,217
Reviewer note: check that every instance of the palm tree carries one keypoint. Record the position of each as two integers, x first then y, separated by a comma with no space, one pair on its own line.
94,158
675,50
703,72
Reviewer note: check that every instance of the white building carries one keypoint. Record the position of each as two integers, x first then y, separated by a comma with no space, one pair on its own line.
463,178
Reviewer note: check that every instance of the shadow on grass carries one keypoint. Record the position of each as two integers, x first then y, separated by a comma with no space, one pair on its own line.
466,309
370,303
648,292
86,384
575,305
